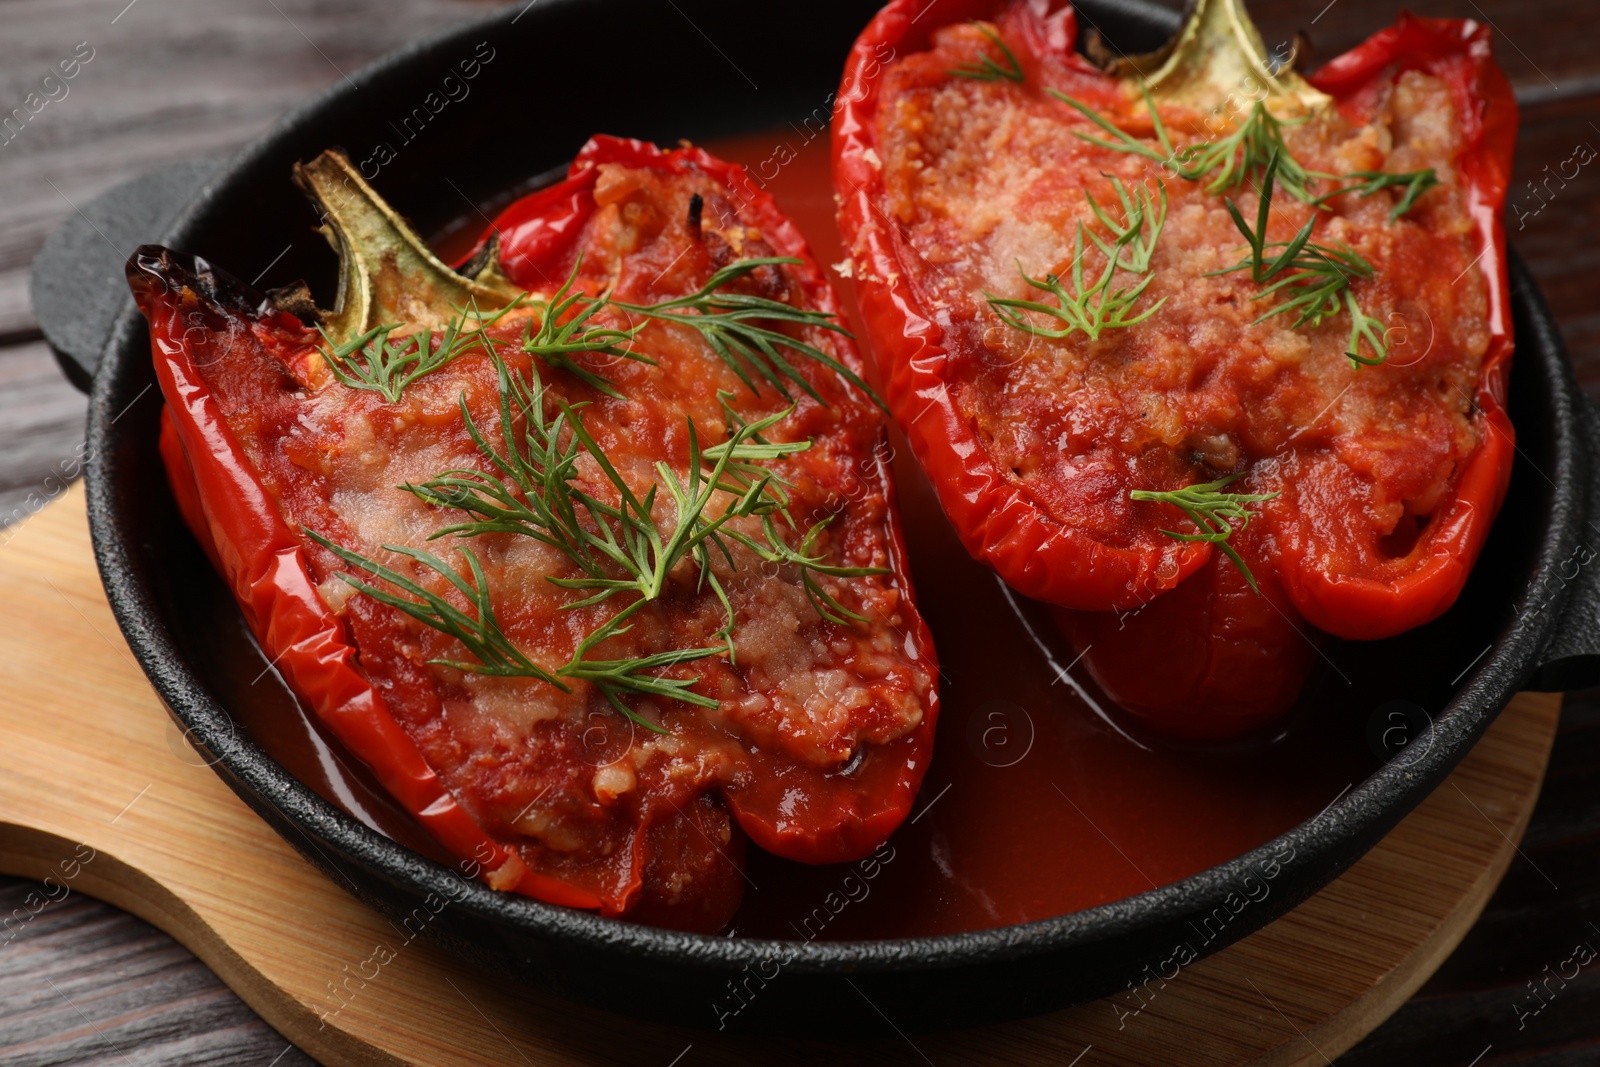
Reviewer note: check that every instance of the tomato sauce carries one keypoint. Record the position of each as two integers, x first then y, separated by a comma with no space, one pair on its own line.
1041,799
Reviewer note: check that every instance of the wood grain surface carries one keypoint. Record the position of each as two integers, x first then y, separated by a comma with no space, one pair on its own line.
137,819
178,78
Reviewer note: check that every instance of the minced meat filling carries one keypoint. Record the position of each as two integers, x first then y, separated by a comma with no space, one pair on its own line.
984,176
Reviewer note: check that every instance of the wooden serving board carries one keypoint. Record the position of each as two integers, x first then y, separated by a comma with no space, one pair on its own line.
100,794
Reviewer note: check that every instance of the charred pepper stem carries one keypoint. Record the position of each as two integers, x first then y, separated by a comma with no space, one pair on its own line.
386,272
1219,56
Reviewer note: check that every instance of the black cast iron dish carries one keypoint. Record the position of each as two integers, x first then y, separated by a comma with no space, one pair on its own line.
1530,604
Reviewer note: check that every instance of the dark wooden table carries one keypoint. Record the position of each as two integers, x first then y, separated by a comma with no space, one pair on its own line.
170,79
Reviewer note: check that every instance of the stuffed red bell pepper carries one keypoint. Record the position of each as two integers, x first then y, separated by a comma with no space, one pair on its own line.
1189,321
587,548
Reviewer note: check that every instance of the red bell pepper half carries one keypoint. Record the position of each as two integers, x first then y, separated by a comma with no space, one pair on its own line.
460,516
1352,438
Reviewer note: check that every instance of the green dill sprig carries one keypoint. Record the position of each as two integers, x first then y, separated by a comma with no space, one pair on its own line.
1367,182
1245,154
1227,162
1314,278
618,547
1133,244
532,494
559,338
822,602
1123,140
1213,513
731,325
496,655
1364,327
1087,308
480,631
371,361
986,69
743,474
1092,307
616,677
539,463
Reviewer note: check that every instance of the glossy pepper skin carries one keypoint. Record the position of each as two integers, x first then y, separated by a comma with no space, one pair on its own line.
795,811
1208,660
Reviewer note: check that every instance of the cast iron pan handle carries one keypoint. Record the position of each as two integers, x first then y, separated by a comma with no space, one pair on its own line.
78,287
1572,659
